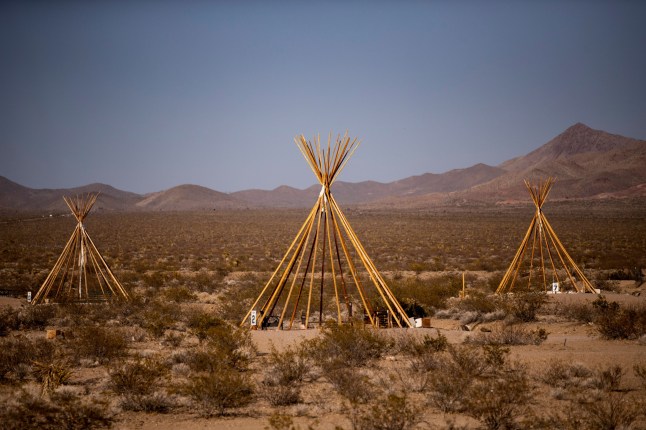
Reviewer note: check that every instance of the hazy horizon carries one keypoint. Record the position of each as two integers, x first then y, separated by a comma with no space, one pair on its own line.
145,96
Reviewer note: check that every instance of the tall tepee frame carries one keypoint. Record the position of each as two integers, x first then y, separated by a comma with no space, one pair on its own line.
80,274
544,252
324,256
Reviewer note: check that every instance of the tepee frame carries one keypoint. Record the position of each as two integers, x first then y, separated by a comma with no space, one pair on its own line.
543,245
317,259
80,273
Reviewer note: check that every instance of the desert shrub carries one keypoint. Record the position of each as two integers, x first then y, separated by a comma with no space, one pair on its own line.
225,345
51,375
640,372
36,317
61,411
509,334
394,412
461,368
614,322
421,359
284,373
18,354
421,298
99,344
351,385
414,346
179,294
497,402
218,391
479,302
288,366
559,374
582,312
524,305
201,324
159,317
609,379
136,378
346,345
8,320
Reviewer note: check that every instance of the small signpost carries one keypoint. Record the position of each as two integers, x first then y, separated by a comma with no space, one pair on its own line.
28,296
253,318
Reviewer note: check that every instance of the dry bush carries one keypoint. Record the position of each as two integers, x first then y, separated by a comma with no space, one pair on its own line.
581,312
36,317
524,305
615,322
422,359
137,383
61,411
18,354
160,316
219,391
284,373
509,334
8,320
420,298
346,345
203,324
567,376
224,345
640,372
99,344
480,302
179,294
498,402
392,412
350,384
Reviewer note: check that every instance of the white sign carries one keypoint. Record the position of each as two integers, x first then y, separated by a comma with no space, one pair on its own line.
29,296
253,319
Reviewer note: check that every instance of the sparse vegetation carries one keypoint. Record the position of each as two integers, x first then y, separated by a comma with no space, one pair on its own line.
176,346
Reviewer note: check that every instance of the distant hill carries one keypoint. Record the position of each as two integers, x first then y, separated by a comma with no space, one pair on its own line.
187,198
588,164
17,198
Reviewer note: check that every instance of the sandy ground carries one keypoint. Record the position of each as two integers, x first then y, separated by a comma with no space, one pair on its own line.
569,342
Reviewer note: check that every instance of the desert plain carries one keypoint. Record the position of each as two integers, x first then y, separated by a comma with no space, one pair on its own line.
174,357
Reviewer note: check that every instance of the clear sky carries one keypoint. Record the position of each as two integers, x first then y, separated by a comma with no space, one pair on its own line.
146,95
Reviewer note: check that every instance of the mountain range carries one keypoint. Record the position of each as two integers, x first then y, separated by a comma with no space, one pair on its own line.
588,164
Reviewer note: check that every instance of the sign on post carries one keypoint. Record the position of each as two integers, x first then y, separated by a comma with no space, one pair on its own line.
253,319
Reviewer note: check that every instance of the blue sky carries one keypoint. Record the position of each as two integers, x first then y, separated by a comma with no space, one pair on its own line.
146,95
